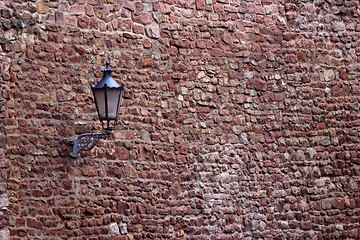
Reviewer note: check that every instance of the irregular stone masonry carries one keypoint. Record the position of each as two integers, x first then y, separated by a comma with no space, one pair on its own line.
240,119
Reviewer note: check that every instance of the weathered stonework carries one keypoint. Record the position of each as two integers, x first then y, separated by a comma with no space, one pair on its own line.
240,119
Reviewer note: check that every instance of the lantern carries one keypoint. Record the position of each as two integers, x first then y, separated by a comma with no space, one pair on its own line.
107,97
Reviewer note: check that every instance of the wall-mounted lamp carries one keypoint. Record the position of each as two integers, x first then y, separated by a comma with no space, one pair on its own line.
107,97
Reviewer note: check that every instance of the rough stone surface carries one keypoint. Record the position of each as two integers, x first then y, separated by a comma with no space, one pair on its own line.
4,234
240,119
4,202
114,229
123,228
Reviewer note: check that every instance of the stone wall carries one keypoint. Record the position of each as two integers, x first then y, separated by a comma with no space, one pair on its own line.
240,119
4,201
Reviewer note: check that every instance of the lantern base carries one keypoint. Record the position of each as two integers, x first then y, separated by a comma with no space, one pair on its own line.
86,142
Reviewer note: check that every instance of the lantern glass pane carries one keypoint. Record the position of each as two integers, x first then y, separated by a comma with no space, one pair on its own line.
113,95
99,95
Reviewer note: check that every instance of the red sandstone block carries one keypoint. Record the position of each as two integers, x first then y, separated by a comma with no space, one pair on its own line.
218,8
129,5
34,223
143,19
83,22
77,9
200,4
305,225
89,171
115,172
231,9
148,63
338,203
123,154
70,20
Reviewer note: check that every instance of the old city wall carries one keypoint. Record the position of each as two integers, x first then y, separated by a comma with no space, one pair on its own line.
240,119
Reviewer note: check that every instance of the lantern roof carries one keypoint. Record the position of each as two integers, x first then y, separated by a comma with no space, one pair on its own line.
107,78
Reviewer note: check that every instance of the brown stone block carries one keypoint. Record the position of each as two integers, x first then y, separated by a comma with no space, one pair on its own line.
122,207
42,8
200,4
305,225
338,203
89,171
34,223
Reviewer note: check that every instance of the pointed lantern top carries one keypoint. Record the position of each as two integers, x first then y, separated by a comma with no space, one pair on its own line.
107,78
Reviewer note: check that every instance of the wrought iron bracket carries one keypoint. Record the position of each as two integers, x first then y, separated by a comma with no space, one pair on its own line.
86,142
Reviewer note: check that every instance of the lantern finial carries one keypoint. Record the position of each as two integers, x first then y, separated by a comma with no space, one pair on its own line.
107,69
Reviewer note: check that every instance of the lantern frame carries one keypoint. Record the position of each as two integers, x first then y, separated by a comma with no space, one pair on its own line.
105,86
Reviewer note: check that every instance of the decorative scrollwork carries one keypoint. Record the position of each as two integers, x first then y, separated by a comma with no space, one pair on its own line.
86,142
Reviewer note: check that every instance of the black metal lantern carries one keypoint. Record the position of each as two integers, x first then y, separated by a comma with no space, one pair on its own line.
107,97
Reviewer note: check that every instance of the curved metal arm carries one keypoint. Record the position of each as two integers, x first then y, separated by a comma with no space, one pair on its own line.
86,142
